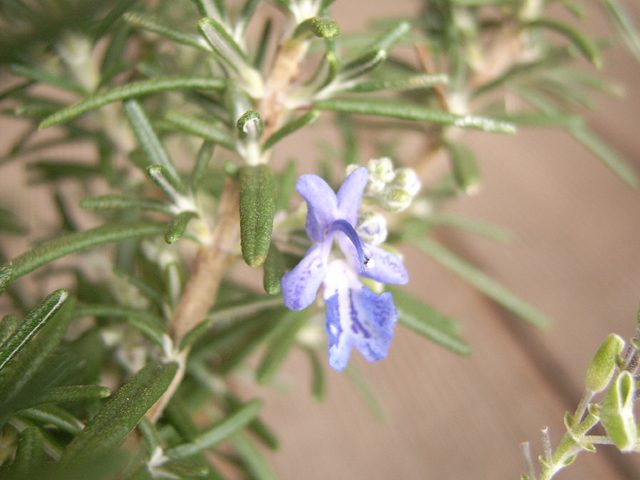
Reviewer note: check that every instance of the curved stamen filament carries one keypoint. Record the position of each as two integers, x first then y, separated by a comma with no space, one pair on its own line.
346,228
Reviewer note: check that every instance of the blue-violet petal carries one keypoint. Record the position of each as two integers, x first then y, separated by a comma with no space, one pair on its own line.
300,285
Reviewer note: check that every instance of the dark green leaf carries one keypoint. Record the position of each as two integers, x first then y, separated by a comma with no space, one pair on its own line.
465,169
54,415
132,90
29,454
483,282
121,413
8,325
274,269
219,432
150,434
44,312
319,26
426,321
407,111
252,458
59,247
177,226
75,393
257,209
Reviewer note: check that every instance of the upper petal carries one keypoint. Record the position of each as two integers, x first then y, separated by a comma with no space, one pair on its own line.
300,285
321,205
350,194
384,266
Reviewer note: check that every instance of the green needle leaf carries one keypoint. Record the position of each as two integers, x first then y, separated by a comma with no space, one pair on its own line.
482,282
132,90
219,432
177,226
59,247
31,325
624,26
29,454
318,26
209,131
291,127
121,413
45,77
407,111
317,382
8,325
252,458
149,141
119,202
426,321
274,269
583,43
257,209
76,393
413,82
54,415
148,23
466,171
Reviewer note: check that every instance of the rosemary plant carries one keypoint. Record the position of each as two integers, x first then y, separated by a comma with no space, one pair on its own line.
186,103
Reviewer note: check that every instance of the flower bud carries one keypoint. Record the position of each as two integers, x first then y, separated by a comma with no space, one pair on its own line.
616,413
372,227
407,179
603,364
381,169
393,199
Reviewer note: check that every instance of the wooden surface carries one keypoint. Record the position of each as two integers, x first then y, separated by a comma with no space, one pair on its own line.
575,255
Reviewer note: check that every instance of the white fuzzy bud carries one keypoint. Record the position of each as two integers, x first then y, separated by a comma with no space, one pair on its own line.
372,227
407,179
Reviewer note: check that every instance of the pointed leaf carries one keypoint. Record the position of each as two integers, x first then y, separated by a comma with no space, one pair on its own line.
8,325
466,171
54,415
257,426
148,23
413,82
76,393
586,46
178,226
45,77
252,458
219,432
257,209
59,247
482,282
29,454
209,131
624,26
132,90
121,413
149,141
407,111
291,127
274,269
119,202
44,312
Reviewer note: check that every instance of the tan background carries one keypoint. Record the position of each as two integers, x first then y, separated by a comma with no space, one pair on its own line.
574,255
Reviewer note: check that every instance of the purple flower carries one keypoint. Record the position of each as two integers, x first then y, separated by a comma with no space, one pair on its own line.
355,315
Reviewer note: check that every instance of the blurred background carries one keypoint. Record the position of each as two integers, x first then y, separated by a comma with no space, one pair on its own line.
574,254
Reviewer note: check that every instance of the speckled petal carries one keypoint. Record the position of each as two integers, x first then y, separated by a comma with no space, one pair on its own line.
300,285
322,205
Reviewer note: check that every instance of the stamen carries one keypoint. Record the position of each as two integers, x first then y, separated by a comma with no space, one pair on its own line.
346,228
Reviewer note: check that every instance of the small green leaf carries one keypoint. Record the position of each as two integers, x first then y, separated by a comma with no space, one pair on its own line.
225,314
261,51
390,37
466,171
6,275
482,282
219,432
178,225
132,90
75,393
183,469
291,127
603,364
586,46
150,434
252,458
616,413
407,111
250,126
119,202
29,454
426,321
319,26
317,378
54,415
209,131
257,426
362,65
280,346
8,325
36,319
202,163
274,269
257,209
121,413
149,141
59,247
142,21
